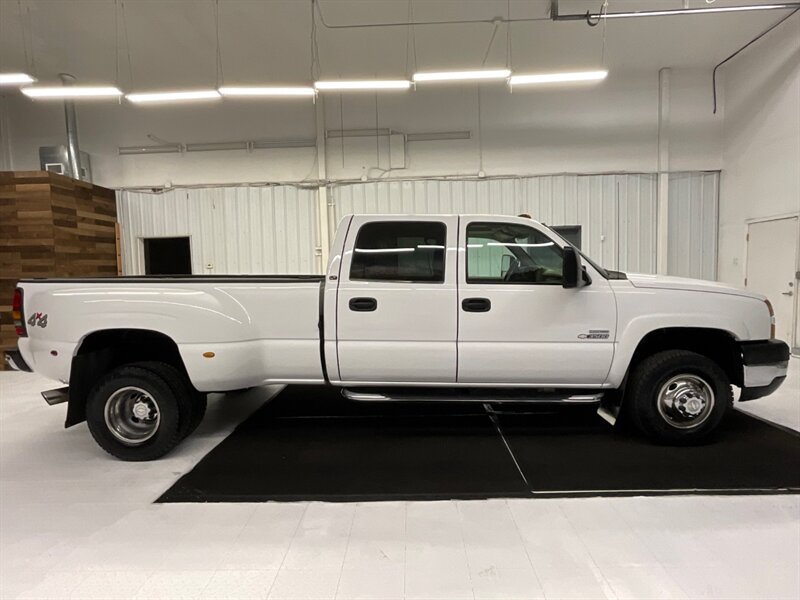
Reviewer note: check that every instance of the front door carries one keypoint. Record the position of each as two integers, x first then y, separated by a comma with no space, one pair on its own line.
771,269
396,304
517,324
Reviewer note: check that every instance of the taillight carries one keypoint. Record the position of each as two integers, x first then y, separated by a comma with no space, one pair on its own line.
771,319
17,314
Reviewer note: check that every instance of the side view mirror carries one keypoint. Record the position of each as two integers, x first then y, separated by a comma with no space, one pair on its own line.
573,270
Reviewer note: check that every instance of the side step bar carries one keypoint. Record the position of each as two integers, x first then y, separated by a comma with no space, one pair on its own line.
57,396
472,395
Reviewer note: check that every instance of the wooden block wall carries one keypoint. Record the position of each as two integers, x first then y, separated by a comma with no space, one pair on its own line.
51,226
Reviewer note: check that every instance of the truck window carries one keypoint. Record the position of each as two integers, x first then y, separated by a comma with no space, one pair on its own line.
511,253
400,251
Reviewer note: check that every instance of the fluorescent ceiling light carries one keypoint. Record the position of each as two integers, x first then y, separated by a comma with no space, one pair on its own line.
72,91
692,11
267,91
174,96
557,77
462,75
15,78
365,84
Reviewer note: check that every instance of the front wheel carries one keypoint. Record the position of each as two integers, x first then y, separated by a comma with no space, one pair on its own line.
678,397
134,414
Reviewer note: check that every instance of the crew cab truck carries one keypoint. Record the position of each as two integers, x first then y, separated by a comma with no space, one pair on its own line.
411,308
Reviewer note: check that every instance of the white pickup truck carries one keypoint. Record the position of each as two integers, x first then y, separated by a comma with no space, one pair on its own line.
411,308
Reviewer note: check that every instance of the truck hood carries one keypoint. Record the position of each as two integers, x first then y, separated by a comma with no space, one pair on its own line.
666,282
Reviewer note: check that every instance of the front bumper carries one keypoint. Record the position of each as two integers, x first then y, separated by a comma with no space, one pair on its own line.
15,361
764,367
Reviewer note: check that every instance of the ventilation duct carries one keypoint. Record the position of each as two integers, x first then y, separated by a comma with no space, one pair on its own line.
73,147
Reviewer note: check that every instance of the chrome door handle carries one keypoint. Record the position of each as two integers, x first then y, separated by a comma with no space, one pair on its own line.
789,293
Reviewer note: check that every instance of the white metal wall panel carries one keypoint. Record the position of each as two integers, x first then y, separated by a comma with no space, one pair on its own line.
617,213
493,196
638,218
274,229
693,223
235,230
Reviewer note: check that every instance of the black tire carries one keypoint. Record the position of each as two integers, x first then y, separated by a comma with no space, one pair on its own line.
668,425
164,434
184,393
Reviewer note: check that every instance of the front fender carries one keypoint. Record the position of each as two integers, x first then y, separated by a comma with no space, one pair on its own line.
642,312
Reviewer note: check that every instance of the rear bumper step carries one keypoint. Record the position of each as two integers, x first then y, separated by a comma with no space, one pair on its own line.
472,395
56,396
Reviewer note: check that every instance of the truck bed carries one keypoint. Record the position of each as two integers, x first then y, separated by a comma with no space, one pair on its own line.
260,328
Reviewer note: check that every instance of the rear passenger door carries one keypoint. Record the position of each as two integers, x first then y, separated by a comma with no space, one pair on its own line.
396,304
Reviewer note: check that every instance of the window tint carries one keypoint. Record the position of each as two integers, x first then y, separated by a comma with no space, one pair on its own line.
511,253
400,251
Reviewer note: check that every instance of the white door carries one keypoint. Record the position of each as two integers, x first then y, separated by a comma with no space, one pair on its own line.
772,269
396,305
517,324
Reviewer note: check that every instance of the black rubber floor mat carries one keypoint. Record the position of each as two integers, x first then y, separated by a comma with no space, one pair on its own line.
309,443
574,457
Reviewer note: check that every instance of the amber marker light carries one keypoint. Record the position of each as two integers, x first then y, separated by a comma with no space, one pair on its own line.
208,355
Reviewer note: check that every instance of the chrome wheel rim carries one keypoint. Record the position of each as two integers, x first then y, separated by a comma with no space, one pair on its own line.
132,415
685,401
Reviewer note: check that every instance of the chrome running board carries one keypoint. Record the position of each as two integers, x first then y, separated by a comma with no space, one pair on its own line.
471,395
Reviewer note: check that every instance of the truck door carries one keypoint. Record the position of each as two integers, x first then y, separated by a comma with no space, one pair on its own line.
517,324
396,302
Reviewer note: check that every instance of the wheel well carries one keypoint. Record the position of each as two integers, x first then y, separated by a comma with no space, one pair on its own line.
102,351
716,344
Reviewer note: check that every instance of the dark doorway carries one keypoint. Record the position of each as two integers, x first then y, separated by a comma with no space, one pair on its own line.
167,256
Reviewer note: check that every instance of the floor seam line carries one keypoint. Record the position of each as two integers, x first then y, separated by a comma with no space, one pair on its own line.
493,418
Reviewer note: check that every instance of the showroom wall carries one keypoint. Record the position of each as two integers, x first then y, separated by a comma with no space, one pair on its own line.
761,141
246,229
609,127
274,229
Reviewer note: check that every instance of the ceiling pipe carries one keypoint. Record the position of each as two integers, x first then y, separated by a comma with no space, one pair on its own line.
489,21
73,147
742,49
594,18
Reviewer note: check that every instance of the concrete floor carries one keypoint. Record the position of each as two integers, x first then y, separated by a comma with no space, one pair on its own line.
75,523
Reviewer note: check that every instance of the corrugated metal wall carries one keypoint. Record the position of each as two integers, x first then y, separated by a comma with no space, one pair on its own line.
274,229
617,213
232,229
693,224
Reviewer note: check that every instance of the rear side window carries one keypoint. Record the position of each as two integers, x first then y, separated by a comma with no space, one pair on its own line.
400,251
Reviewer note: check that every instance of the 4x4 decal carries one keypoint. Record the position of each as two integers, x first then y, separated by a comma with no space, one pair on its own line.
39,319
